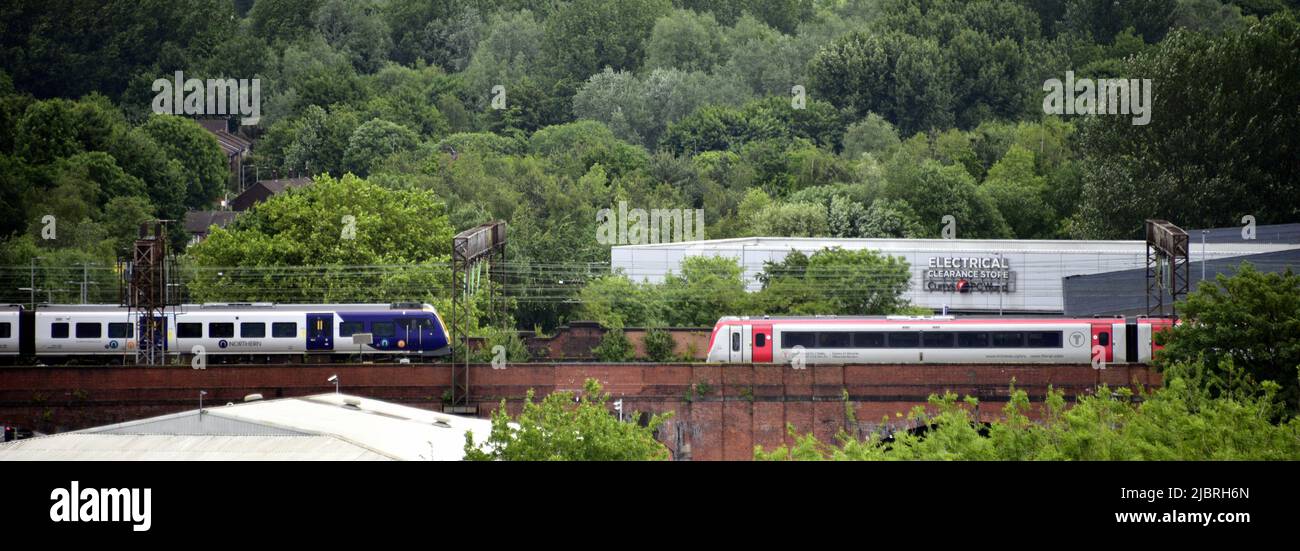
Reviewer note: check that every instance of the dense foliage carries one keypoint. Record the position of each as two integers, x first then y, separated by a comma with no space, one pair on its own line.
567,427
1243,330
842,118
1178,422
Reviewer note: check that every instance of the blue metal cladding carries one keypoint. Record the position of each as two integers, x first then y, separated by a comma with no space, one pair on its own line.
411,331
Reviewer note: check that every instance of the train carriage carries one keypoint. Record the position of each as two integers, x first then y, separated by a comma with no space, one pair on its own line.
938,339
10,327
226,330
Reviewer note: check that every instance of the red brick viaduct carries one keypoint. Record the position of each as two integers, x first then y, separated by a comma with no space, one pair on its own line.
720,412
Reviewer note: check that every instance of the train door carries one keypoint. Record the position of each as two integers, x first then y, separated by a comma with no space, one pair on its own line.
736,349
1101,342
320,331
762,343
157,334
1119,342
411,333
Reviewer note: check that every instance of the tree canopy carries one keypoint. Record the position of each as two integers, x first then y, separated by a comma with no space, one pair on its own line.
567,426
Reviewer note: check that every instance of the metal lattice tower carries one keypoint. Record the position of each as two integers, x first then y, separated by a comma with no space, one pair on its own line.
471,251
147,294
1168,267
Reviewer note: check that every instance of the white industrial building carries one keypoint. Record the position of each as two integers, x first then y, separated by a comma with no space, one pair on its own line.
324,427
963,275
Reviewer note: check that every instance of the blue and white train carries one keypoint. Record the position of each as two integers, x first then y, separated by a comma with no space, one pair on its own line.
225,331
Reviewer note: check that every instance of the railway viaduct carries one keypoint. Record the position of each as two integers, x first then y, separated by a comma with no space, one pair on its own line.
719,412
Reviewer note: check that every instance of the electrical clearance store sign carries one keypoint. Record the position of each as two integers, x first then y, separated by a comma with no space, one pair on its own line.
951,274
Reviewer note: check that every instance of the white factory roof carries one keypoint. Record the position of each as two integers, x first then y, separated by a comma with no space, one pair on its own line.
330,427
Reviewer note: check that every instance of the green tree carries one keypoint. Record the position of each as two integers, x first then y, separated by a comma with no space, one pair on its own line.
282,19
835,282
906,79
616,301
1019,195
202,163
685,40
584,36
706,289
792,220
1250,321
558,429
638,110
374,141
872,134
261,256
1102,20
1213,135
614,346
935,191
659,345
355,28
511,50
78,47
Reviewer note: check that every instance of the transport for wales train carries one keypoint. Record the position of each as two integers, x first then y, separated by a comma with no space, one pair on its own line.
257,331
934,340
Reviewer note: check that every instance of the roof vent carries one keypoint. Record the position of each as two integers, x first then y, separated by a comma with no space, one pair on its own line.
352,403
440,421
252,397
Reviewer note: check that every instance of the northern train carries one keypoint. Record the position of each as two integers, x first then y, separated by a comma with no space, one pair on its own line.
934,339
227,331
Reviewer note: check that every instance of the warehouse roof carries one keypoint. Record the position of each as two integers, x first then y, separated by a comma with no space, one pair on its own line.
1269,233
1124,292
1225,247
320,427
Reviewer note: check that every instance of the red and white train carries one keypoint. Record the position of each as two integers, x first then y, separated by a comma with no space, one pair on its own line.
936,340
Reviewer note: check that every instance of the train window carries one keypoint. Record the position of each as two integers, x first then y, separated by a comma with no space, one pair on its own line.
252,330
284,330
904,340
936,340
1008,339
971,339
349,328
59,330
791,339
1103,339
835,339
868,340
120,331
90,330
735,342
5,331
760,340
1043,339
221,330
383,329
189,330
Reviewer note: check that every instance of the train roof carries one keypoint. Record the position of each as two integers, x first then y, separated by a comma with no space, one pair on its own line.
265,306
924,319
